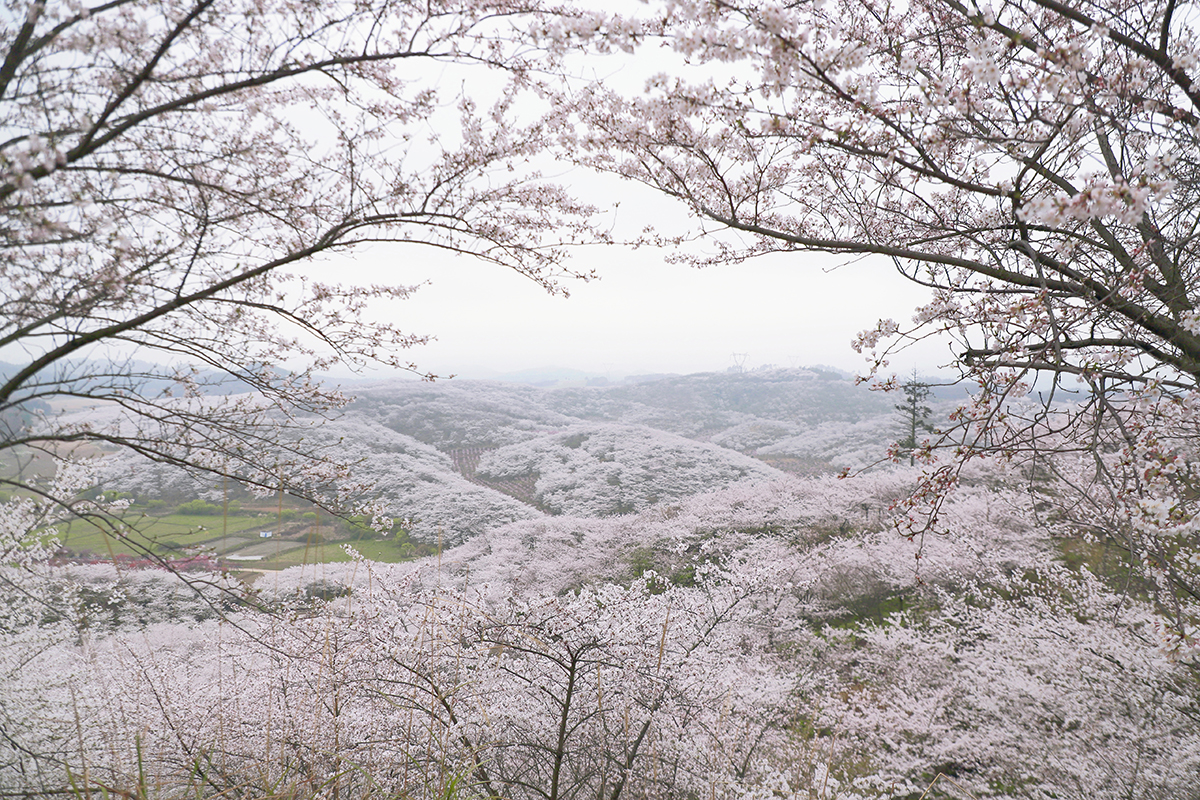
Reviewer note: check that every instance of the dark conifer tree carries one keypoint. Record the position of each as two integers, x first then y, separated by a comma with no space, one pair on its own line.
915,414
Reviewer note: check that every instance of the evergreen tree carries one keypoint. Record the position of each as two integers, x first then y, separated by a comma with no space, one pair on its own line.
915,415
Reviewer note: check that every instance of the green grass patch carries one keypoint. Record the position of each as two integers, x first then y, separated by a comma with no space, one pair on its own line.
327,553
174,534
386,551
165,534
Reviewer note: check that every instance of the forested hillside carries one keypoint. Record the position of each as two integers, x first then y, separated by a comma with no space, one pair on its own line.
454,458
772,637
624,561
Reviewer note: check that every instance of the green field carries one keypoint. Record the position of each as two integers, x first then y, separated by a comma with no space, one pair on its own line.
165,534
234,537
388,552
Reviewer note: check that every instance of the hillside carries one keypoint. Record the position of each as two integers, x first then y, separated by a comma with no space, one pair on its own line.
456,458
604,450
784,619
636,561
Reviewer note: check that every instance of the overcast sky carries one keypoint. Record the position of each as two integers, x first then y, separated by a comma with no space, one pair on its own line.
645,315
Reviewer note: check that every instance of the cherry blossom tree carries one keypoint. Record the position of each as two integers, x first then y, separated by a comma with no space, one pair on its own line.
1031,162
1112,716
172,172
594,470
773,672
416,683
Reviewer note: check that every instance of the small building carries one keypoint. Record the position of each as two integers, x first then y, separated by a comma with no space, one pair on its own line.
265,534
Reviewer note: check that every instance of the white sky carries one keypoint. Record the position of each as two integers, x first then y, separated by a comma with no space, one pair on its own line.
645,315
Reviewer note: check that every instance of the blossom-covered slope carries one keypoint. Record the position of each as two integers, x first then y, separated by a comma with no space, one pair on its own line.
600,451
768,640
598,470
457,458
